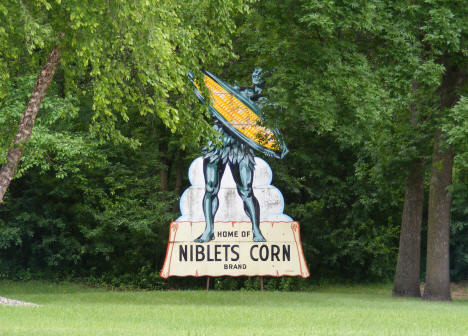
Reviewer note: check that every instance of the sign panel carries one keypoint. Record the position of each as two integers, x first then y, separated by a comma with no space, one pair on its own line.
233,253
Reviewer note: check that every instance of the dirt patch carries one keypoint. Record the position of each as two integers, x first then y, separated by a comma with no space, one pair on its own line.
459,289
10,302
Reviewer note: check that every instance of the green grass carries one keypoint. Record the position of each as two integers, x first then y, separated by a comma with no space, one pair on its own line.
68,309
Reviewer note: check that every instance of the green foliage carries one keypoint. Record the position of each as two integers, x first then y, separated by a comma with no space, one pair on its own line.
342,79
58,142
459,227
133,55
329,93
349,225
253,284
356,86
108,222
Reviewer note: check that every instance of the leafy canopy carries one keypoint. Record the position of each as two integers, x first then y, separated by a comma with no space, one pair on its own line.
124,55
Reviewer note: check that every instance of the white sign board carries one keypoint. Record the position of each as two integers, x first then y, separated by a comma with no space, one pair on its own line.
232,252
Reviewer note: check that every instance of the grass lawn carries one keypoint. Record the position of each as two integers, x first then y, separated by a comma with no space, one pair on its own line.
69,309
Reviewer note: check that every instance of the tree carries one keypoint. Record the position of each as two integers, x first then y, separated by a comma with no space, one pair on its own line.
8,170
446,38
316,52
80,207
133,54
437,285
434,40
319,63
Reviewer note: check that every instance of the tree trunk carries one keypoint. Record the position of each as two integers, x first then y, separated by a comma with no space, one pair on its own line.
406,282
163,176
437,285
164,170
26,125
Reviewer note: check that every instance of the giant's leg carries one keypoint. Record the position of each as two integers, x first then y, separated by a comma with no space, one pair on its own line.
242,172
213,172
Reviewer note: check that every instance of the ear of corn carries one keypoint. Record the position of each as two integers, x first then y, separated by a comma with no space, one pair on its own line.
239,115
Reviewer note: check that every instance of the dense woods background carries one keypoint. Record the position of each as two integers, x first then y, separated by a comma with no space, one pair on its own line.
369,96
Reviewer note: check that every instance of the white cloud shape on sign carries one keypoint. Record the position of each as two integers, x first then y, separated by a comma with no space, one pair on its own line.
230,204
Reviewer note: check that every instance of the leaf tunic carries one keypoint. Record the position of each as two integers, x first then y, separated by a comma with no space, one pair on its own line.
232,150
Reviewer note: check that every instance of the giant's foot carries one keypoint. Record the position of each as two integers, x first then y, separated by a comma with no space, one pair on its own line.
257,236
205,237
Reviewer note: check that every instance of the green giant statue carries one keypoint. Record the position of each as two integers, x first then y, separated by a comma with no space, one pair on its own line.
238,121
